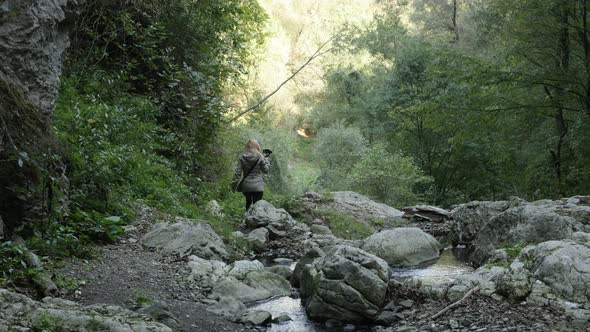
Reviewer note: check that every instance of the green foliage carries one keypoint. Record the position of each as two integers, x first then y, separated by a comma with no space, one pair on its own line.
45,322
142,298
338,149
514,251
13,268
181,54
389,177
345,226
113,143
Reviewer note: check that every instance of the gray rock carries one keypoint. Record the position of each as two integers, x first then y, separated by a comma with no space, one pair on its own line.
186,237
228,307
404,246
529,223
361,207
347,284
307,259
206,273
431,288
484,278
516,284
240,269
406,304
469,218
19,313
33,38
388,318
564,266
281,318
492,225
161,313
263,214
256,317
258,238
320,229
581,238
256,286
282,270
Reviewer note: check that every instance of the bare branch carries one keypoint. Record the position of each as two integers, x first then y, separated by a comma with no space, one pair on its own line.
316,54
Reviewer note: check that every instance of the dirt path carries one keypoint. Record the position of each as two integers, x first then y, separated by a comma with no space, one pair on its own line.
125,273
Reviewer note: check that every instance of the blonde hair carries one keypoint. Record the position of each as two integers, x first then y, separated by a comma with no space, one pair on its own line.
252,146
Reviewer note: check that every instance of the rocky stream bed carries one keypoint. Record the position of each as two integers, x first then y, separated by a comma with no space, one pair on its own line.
514,266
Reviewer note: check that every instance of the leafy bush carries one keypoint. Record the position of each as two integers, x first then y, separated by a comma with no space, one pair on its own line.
338,149
388,177
13,268
113,143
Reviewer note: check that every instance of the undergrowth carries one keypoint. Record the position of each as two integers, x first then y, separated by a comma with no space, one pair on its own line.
345,226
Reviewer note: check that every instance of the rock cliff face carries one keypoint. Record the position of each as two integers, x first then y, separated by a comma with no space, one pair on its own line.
33,38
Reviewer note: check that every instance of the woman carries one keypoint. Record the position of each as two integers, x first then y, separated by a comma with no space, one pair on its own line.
250,168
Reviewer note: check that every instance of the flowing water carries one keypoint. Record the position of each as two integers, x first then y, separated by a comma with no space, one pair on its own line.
447,267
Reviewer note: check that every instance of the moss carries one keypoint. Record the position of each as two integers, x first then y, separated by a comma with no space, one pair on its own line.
345,226
47,323
514,250
327,197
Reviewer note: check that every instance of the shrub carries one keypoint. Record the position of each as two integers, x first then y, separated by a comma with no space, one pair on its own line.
388,177
13,268
338,149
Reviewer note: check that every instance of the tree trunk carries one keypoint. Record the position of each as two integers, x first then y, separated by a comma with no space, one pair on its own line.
455,27
560,122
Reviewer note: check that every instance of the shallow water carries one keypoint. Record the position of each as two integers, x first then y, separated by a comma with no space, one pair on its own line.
447,267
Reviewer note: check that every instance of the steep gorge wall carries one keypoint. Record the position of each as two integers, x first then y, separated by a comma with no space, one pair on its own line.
33,38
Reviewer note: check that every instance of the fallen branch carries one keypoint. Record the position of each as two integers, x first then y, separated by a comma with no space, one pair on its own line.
455,304
316,54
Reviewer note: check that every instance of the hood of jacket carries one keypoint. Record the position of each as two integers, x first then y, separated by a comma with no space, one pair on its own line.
249,158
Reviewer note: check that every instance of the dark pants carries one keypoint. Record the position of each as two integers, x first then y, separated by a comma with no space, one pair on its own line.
252,197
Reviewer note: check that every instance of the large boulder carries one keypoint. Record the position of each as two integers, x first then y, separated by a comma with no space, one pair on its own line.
527,223
20,313
255,286
347,284
360,207
263,214
404,246
469,218
258,238
564,266
311,206
186,237
245,281
229,308
206,273
491,225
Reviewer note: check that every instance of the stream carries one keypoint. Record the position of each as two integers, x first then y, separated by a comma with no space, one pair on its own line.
447,267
